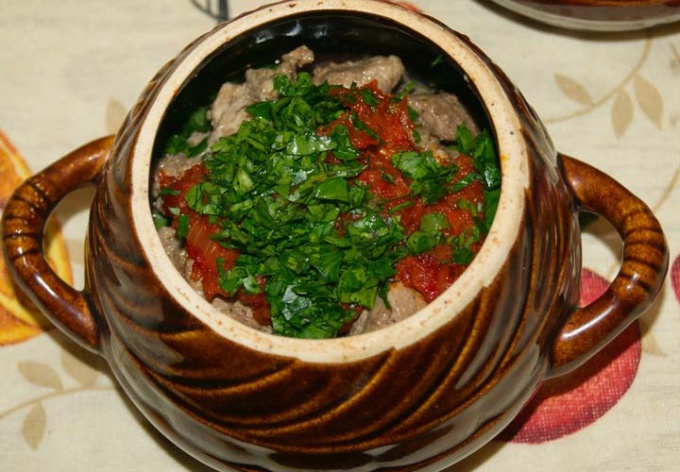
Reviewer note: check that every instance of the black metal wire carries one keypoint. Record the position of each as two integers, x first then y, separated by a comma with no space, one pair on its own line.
218,9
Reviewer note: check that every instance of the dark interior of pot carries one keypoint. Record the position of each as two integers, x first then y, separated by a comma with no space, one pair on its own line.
333,36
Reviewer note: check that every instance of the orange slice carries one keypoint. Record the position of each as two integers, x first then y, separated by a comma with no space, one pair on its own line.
19,319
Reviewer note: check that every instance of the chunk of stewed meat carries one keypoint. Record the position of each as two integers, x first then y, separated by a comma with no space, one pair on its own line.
440,114
403,302
386,70
229,109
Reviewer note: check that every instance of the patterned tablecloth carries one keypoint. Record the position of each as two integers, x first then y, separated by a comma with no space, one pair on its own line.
70,69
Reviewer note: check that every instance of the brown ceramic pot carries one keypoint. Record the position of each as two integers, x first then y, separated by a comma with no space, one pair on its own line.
421,394
598,15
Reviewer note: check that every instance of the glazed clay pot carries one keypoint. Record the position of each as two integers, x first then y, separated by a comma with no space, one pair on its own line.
598,15
418,395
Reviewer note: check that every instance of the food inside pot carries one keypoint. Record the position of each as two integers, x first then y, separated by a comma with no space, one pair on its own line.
318,200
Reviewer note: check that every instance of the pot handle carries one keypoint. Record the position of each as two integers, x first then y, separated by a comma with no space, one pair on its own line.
24,218
641,276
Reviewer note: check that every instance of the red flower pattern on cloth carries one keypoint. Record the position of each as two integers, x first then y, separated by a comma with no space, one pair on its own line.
675,277
567,404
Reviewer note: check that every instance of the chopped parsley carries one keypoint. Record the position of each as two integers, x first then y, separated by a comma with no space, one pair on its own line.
291,193
180,143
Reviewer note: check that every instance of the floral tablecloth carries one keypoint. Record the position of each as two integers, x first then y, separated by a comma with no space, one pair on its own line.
70,69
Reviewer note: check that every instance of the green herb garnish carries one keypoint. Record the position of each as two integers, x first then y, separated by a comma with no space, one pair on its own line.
284,193
179,143
482,150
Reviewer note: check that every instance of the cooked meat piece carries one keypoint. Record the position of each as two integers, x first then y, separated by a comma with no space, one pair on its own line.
260,82
174,248
388,71
177,165
294,60
229,109
441,152
404,302
441,113
239,312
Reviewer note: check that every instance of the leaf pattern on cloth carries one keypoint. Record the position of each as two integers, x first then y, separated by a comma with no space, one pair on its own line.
34,426
647,96
622,113
78,370
45,378
40,374
574,90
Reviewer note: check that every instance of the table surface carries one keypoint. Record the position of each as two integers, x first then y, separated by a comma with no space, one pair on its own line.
70,69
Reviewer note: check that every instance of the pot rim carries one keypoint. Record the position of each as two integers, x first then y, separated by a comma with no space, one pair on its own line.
480,273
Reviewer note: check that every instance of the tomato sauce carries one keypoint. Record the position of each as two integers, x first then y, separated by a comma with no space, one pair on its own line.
201,248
